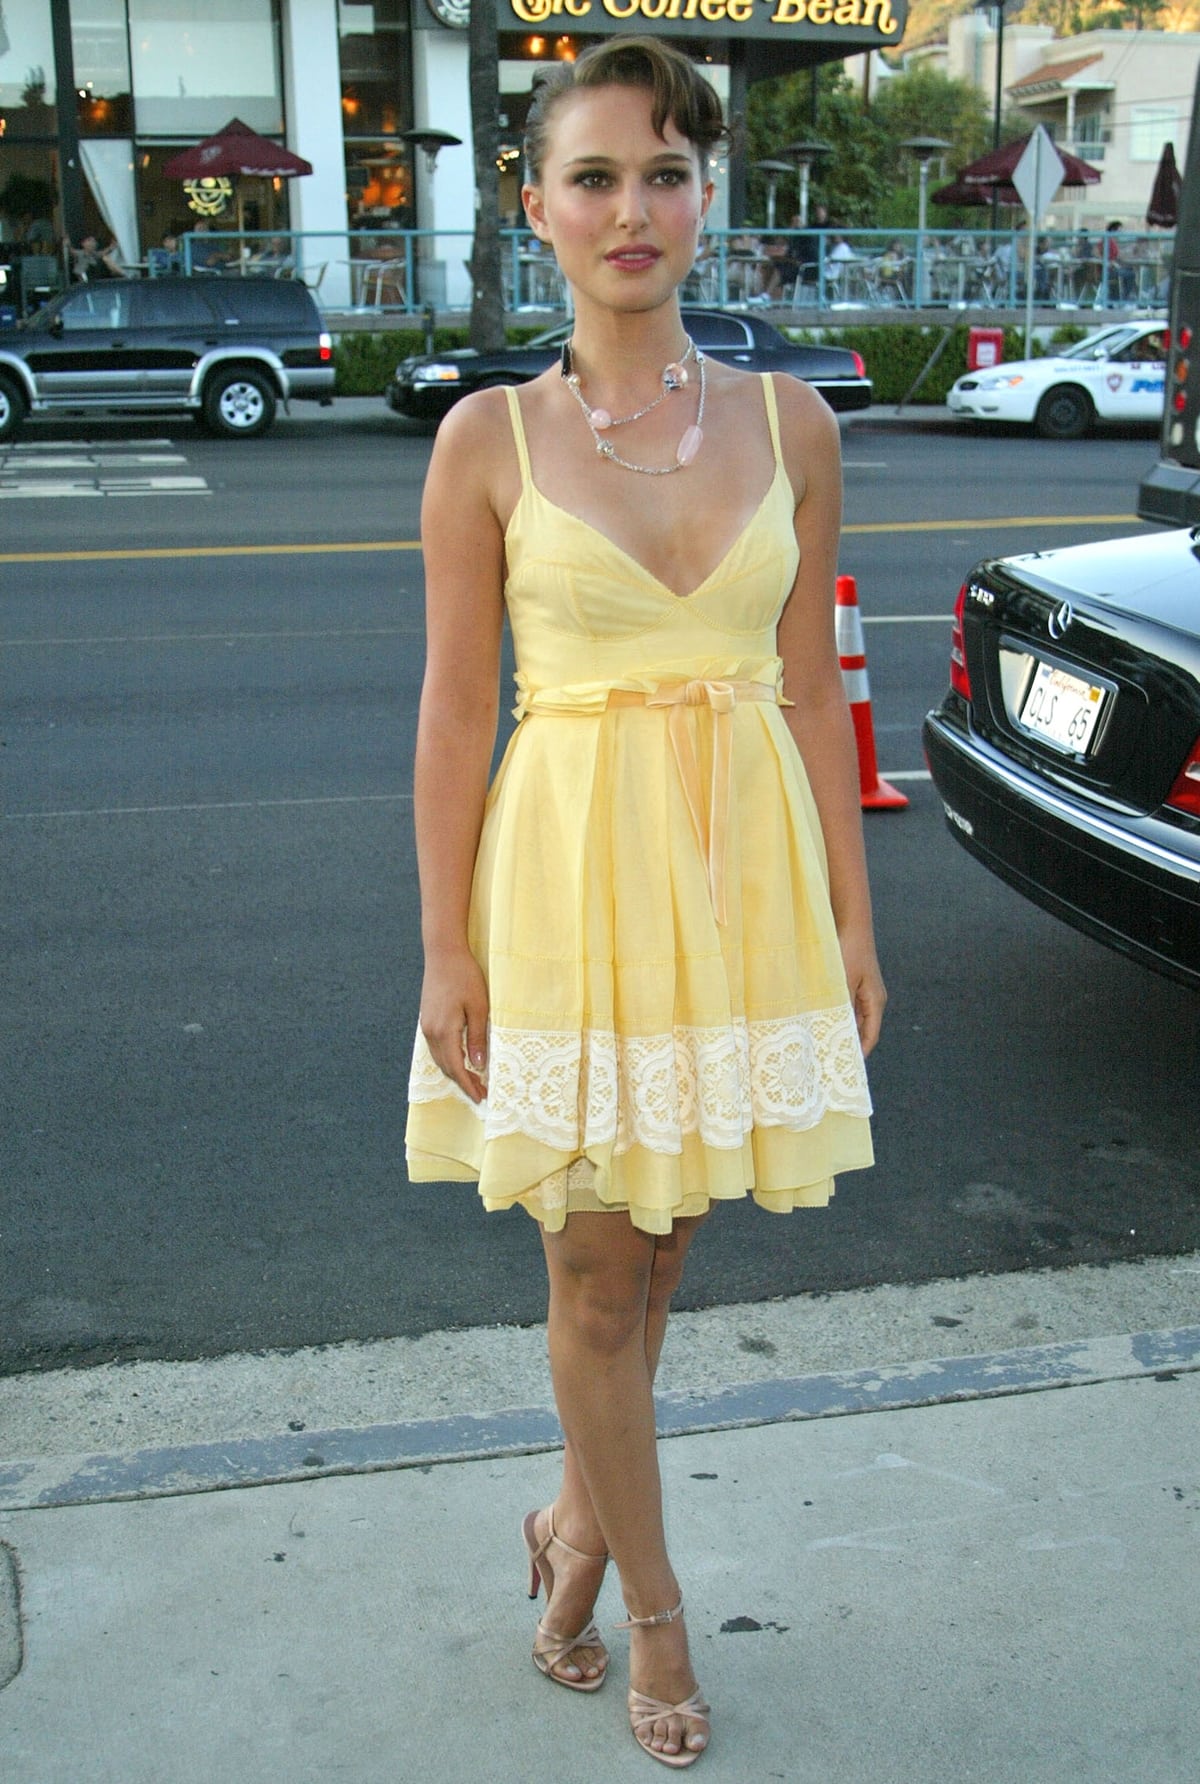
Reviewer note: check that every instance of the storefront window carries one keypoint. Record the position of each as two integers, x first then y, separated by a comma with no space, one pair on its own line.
376,72
195,68
165,209
100,51
26,70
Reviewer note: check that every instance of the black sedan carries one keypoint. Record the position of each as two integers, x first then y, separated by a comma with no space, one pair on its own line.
1067,751
426,385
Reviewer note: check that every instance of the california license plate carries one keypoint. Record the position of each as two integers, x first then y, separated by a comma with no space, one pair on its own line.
1062,708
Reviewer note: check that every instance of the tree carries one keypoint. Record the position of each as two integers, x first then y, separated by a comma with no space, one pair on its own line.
925,102
487,291
779,111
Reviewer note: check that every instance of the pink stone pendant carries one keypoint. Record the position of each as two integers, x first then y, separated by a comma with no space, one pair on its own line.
600,419
689,445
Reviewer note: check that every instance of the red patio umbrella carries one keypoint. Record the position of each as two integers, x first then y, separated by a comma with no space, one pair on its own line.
236,151
958,193
1163,209
997,167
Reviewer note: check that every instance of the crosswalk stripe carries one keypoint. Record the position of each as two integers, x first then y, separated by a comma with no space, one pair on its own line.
41,471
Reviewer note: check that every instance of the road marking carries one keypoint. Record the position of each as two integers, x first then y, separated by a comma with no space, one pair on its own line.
352,546
219,637
107,486
907,774
349,633
995,520
157,811
103,471
159,553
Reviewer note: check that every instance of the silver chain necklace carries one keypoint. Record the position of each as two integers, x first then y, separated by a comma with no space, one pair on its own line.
600,421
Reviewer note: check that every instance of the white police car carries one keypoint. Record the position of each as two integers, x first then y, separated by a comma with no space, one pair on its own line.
1115,374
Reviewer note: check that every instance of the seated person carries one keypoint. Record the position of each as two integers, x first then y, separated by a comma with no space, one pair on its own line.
274,256
781,271
90,261
166,259
210,257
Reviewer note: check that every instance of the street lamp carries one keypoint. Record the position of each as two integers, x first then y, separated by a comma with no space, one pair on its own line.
430,141
924,148
805,156
996,7
772,169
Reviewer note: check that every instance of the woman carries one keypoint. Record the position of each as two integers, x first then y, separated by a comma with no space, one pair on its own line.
638,997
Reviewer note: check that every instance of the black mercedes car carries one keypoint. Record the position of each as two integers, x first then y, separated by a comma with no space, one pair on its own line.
426,385
1067,750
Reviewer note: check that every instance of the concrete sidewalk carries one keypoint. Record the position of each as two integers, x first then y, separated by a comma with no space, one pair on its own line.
978,1579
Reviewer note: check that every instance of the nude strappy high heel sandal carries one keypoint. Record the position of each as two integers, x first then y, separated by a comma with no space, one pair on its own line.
550,1648
644,1711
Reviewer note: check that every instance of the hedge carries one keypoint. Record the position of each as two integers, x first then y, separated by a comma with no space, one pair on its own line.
894,354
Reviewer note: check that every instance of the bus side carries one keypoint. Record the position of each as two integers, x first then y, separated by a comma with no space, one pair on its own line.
1171,491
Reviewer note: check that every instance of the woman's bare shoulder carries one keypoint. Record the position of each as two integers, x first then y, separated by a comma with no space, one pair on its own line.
475,425
804,410
474,459
809,436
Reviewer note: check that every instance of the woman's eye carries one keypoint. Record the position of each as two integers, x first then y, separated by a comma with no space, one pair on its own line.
591,178
671,176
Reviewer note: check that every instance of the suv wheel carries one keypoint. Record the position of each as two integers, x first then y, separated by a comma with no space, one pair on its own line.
12,408
240,403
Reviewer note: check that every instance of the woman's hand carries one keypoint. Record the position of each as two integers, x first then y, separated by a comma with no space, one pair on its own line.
454,1019
868,994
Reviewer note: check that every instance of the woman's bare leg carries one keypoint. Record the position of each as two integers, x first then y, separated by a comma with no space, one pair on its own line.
609,1293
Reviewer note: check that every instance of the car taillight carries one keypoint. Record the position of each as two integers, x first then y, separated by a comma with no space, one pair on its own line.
860,364
960,681
1185,794
325,349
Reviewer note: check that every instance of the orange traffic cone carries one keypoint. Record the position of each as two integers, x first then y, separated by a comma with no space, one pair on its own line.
876,794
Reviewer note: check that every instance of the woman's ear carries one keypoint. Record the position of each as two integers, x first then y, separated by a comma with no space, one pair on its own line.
706,198
535,214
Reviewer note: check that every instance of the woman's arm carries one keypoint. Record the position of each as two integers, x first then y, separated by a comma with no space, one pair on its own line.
819,718
463,545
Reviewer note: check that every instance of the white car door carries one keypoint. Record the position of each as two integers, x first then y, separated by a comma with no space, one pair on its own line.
1131,384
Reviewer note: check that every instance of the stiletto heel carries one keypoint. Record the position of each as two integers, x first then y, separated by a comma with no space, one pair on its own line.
644,1711
550,1648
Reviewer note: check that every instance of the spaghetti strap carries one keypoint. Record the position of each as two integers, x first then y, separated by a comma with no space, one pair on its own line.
772,416
518,429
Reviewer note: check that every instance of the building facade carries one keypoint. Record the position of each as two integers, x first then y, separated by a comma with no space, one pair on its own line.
96,96
1112,97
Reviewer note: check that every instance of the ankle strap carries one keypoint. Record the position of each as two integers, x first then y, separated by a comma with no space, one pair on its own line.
552,1536
671,1616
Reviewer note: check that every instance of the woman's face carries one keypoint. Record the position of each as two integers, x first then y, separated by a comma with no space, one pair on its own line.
621,206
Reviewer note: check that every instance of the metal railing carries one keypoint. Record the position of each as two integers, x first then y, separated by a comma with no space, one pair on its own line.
407,271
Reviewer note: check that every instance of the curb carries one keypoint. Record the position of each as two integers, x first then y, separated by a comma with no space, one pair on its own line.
422,1443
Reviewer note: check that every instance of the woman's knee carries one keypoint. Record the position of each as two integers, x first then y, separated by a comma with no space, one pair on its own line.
599,1280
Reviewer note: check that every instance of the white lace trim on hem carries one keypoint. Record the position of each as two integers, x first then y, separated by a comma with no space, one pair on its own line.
568,1090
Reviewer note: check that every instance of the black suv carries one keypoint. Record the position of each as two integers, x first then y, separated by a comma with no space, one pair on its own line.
226,349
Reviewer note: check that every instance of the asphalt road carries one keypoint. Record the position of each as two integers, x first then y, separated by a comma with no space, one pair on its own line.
211,658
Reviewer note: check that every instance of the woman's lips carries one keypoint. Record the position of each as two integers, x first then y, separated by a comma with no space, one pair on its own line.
633,259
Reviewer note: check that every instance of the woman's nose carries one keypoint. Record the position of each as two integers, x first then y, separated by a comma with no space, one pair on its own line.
631,204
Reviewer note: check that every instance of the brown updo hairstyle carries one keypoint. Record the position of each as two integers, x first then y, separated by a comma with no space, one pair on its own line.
679,92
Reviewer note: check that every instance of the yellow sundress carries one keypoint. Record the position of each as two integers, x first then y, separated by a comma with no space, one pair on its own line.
669,1018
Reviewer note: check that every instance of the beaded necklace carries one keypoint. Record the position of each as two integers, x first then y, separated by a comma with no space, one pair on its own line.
599,421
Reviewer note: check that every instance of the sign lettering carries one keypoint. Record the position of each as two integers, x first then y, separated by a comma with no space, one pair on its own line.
878,16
